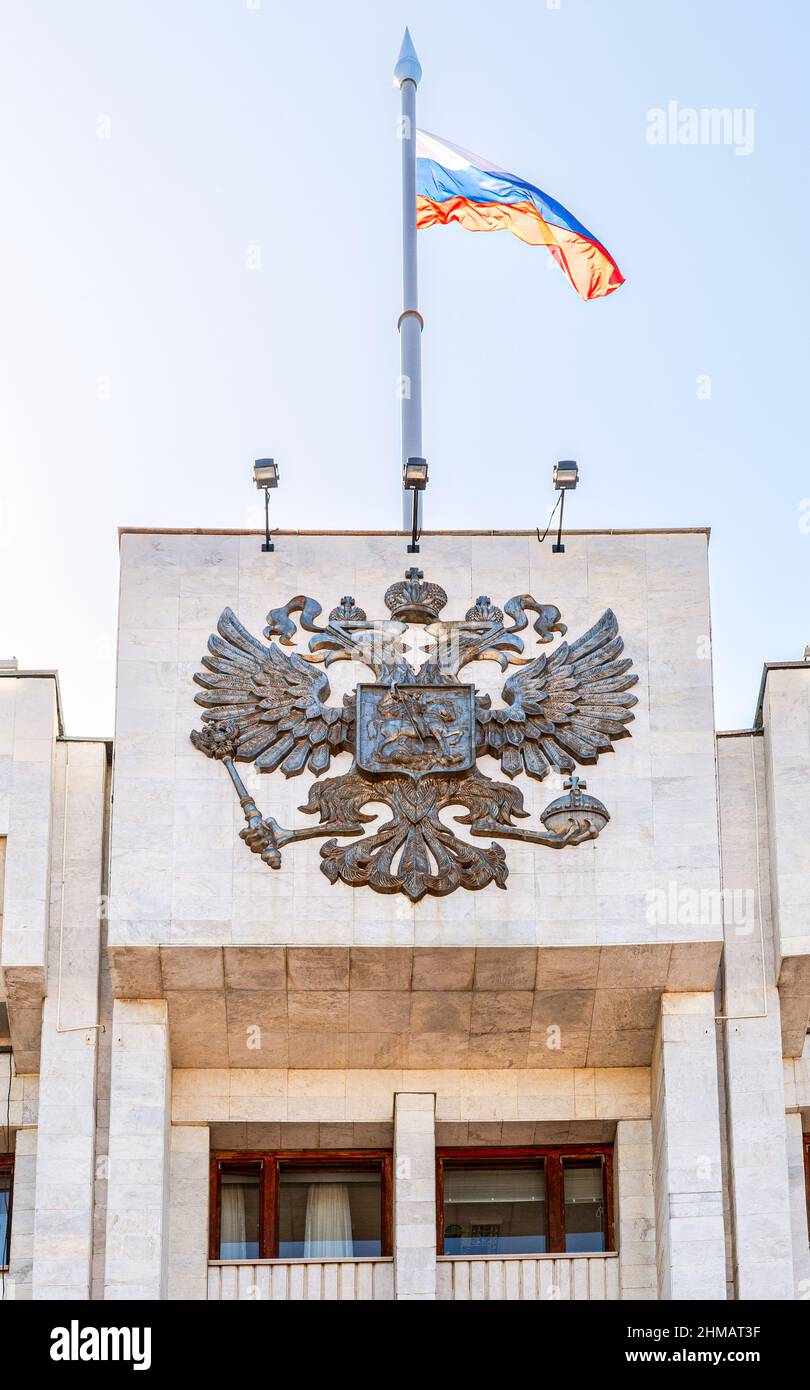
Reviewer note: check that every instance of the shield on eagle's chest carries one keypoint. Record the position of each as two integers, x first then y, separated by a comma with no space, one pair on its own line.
415,729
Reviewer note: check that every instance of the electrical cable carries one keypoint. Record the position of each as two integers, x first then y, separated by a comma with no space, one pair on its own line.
551,518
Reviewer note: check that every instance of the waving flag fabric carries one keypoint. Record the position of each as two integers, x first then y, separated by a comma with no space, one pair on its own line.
453,185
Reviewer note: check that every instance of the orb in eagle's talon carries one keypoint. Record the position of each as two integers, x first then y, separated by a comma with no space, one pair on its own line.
574,813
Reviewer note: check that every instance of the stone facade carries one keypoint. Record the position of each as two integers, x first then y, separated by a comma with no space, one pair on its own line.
168,997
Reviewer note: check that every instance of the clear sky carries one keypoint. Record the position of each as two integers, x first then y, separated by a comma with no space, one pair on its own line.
200,264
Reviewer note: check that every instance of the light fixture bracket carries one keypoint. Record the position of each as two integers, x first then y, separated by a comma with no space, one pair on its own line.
266,476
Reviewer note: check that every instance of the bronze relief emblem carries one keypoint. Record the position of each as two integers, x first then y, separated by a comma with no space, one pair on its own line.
415,729
416,732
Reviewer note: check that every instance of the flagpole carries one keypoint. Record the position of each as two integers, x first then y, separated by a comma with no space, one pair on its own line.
408,73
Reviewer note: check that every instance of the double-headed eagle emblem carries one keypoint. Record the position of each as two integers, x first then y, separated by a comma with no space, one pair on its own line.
415,732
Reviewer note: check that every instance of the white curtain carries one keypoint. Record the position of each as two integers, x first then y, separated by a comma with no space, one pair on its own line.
233,1229
328,1228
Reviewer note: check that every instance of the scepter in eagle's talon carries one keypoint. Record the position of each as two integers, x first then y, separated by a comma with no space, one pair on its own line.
217,740
260,835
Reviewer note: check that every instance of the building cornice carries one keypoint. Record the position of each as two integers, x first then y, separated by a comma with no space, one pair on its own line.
405,535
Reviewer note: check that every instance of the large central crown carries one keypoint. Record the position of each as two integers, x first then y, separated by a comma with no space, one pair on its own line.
414,601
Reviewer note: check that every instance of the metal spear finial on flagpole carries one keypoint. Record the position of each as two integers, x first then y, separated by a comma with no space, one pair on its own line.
408,73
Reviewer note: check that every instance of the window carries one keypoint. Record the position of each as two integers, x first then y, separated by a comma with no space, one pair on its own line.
585,1206
299,1206
6,1184
329,1212
495,1210
240,1219
530,1201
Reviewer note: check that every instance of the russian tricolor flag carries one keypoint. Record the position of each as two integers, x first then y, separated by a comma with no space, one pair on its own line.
453,185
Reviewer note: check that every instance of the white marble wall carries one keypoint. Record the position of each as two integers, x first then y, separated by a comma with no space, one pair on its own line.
182,877
28,728
138,1175
797,1182
5,765
23,1102
690,1241
752,1041
180,874
414,1196
188,1212
796,1075
63,1230
19,1280
206,1095
635,1209
786,724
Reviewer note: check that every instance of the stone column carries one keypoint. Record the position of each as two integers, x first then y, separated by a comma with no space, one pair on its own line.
188,1212
690,1240
758,1170
65,1168
136,1262
415,1195
798,1206
635,1209
752,1035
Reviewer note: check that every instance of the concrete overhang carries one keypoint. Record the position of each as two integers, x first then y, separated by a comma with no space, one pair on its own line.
425,1007
794,1003
25,989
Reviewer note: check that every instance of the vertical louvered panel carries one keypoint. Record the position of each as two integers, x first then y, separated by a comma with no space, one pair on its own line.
444,1281
495,1279
529,1278
562,1278
364,1281
511,1280
383,1281
596,1279
579,1280
545,1279
549,1284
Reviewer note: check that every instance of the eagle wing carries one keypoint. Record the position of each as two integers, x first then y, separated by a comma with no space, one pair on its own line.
562,709
275,700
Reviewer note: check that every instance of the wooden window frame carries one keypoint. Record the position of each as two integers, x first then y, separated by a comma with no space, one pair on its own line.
267,1165
7,1165
526,1156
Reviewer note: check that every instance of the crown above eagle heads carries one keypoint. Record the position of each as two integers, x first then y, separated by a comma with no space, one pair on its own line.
414,600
